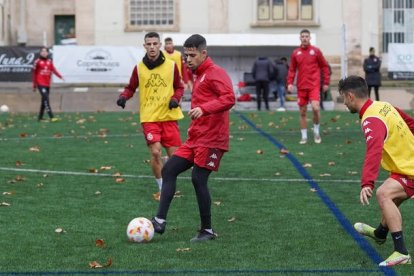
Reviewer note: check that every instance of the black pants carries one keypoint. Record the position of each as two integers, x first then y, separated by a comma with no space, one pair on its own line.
262,86
175,166
376,88
45,103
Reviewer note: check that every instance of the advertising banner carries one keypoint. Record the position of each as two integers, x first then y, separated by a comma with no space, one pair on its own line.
16,63
93,64
401,60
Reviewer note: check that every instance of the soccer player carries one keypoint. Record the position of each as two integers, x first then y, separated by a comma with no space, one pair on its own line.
389,141
160,91
306,63
208,136
43,69
174,55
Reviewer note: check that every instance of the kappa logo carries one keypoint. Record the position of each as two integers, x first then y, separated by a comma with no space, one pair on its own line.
211,164
213,156
369,138
366,122
155,81
368,130
150,137
299,53
311,52
404,180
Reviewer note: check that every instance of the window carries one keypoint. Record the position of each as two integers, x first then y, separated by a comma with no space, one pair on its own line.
397,18
285,11
151,14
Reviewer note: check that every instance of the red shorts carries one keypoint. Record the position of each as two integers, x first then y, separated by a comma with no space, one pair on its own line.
406,182
167,133
203,157
307,95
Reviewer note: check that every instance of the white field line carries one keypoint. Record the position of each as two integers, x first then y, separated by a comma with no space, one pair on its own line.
230,179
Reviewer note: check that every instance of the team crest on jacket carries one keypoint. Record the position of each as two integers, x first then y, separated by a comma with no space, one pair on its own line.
150,137
312,52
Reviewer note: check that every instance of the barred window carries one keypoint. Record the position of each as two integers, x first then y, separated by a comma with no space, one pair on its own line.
277,11
151,14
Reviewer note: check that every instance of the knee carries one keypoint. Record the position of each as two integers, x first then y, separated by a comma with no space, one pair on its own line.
382,195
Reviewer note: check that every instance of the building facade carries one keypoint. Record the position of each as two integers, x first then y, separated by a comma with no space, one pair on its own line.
237,31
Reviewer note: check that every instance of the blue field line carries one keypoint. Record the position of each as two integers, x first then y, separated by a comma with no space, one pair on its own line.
362,243
191,272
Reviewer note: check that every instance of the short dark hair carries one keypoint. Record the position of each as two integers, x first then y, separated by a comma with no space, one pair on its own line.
196,41
151,34
371,49
355,84
168,39
305,31
283,59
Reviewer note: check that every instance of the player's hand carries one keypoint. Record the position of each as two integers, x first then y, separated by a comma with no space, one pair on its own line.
121,102
195,113
290,88
365,195
173,103
325,88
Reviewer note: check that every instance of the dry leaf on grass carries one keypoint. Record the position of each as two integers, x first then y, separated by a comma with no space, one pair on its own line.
307,165
19,163
331,163
240,139
325,174
95,264
23,135
284,151
278,174
9,193
217,203
183,249
39,185
60,230
313,190
116,174
34,149
119,180
105,168
4,204
93,170
301,153
232,219
178,194
352,172
57,135
259,151
100,243
98,193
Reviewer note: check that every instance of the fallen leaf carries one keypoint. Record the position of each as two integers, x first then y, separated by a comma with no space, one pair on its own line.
232,219
34,149
307,165
284,151
100,243
93,170
278,174
106,168
313,190
39,185
19,163
331,163
9,193
240,139
98,193
259,151
23,135
348,142
60,230
117,174
4,204
178,194
183,249
217,203
352,172
147,161
325,174
301,153
57,135
95,264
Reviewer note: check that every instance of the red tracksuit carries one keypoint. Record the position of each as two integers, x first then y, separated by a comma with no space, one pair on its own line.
42,72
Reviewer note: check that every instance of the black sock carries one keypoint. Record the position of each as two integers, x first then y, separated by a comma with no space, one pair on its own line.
381,231
399,245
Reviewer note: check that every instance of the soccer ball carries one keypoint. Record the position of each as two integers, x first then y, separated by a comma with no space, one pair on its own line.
140,230
4,108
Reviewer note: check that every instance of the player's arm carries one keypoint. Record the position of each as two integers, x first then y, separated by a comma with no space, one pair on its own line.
407,119
56,72
323,64
291,73
34,74
178,89
130,89
375,132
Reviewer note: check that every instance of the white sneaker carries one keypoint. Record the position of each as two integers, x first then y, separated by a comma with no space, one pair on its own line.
303,141
281,109
317,139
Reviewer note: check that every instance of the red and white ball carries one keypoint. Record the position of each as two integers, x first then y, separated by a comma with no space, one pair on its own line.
140,230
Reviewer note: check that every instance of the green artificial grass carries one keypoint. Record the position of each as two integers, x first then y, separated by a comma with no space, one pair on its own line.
268,218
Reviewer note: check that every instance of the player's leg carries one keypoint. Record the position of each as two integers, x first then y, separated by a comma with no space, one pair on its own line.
259,94
42,103
47,102
369,91
315,98
170,172
266,94
389,196
376,90
155,150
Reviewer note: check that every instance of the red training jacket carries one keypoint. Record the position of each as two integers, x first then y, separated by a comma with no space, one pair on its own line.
42,72
308,62
213,93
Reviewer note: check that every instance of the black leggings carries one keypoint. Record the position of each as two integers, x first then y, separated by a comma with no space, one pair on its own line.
376,88
45,104
174,166
262,86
